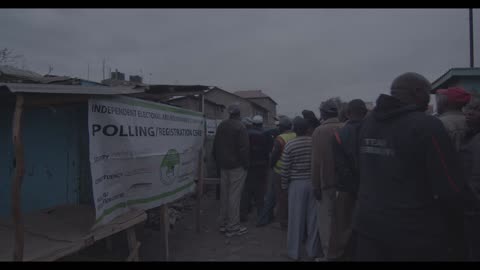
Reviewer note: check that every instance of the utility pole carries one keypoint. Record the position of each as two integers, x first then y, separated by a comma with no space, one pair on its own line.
50,69
470,11
103,68
88,71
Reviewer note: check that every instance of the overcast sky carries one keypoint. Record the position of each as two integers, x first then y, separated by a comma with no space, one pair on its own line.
299,57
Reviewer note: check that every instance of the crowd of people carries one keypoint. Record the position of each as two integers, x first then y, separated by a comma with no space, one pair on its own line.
391,184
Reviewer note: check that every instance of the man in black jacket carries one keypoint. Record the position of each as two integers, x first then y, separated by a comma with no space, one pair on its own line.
410,180
231,152
256,182
272,198
345,148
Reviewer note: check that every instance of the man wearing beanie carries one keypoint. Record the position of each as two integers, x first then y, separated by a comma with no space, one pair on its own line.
410,180
323,175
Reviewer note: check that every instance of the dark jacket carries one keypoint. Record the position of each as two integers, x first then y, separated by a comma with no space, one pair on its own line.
470,154
271,135
259,148
231,145
345,149
410,180
346,157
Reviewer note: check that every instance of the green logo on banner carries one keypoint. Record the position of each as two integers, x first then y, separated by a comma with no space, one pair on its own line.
170,167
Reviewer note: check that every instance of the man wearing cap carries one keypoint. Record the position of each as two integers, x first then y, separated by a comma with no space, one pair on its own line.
281,196
231,152
323,175
256,182
247,122
267,213
449,105
273,133
410,180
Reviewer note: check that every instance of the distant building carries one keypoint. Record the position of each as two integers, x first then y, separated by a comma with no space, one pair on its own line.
212,110
248,108
258,97
136,79
117,76
113,82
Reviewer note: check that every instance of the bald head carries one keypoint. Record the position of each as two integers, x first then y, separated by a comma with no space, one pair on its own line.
412,88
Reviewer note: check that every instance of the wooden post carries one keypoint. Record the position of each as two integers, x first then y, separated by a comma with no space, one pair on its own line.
133,245
164,228
199,191
470,20
17,180
200,178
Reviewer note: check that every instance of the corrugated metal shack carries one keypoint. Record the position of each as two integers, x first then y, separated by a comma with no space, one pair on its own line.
46,166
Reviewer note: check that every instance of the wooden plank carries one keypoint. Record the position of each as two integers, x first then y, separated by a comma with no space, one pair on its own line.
17,180
132,257
164,229
132,244
118,225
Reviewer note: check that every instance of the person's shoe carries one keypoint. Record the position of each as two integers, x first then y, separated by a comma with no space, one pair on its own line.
261,225
320,258
223,229
239,231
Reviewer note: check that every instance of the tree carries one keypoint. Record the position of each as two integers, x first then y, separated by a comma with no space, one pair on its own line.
8,57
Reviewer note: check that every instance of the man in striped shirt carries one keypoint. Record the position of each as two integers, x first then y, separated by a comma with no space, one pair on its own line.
302,208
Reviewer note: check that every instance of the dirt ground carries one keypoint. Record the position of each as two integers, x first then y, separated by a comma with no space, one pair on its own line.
266,243
259,244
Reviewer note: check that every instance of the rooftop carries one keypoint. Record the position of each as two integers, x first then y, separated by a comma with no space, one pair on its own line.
249,94
443,80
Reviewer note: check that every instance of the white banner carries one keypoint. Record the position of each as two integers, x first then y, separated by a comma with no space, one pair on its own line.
142,154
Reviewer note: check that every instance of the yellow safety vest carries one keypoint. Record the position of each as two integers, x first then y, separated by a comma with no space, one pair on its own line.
286,137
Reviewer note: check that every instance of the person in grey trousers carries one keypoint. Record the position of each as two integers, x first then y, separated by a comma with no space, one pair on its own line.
302,207
231,152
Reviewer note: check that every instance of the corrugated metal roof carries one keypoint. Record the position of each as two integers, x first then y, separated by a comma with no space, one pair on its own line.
176,89
9,73
250,94
454,72
68,89
13,71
